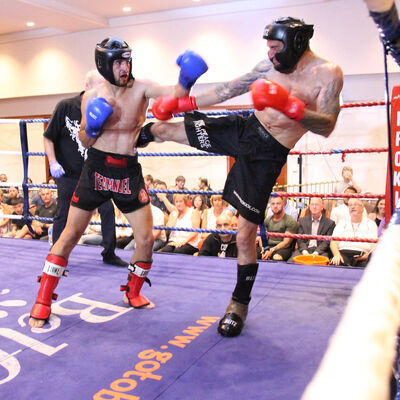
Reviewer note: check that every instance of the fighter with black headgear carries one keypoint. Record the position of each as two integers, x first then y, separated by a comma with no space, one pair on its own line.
294,91
295,35
109,50
112,115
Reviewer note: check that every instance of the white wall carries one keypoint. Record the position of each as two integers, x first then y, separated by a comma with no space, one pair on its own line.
35,74
229,36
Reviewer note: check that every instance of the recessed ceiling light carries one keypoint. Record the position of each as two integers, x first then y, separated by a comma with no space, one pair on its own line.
30,24
127,9
196,1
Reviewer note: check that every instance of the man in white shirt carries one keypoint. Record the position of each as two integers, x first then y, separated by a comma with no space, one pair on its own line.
354,254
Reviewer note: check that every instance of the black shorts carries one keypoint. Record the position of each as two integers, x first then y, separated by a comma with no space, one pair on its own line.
110,176
259,158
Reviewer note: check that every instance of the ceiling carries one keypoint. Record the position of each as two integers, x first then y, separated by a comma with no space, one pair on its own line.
63,16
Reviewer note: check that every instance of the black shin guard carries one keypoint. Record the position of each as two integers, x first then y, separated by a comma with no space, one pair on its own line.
245,281
145,135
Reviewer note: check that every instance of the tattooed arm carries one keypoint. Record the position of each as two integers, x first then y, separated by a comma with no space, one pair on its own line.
236,87
323,121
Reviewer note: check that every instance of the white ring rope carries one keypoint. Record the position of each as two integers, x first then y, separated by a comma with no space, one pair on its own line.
358,362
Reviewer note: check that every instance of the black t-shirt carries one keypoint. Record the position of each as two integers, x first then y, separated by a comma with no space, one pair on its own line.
214,245
48,212
63,131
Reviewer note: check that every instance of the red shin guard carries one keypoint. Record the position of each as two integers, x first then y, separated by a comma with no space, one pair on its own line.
54,268
137,275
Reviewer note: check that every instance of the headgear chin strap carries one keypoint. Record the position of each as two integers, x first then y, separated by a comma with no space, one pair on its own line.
109,50
295,35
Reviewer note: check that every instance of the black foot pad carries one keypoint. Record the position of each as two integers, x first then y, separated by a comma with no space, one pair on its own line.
230,325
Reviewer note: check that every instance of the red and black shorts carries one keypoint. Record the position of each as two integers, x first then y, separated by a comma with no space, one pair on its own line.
259,158
110,176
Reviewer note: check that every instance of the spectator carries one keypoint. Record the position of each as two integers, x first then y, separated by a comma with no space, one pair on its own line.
185,217
378,213
288,206
13,193
280,249
218,207
204,185
348,180
124,234
160,237
47,210
5,209
180,183
37,199
18,210
314,223
199,203
92,235
220,244
148,181
162,201
355,254
342,210
3,178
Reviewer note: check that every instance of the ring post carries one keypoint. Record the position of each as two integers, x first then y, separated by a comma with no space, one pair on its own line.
24,151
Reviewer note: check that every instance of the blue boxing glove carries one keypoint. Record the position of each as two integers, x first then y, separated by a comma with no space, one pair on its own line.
97,112
56,169
192,67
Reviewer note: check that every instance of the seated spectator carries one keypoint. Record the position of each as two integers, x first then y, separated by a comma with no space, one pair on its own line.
92,235
185,217
204,185
355,254
348,180
123,234
3,178
199,203
314,223
218,207
280,249
159,235
342,210
5,209
220,244
378,213
161,200
13,193
18,224
37,200
47,210
180,183
289,207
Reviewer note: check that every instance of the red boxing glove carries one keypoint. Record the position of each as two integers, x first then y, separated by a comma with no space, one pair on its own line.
269,94
163,107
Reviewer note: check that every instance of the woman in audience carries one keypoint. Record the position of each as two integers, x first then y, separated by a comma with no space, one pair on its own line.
199,204
378,213
4,222
184,217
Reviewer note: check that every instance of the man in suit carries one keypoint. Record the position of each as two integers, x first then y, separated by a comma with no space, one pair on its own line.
315,223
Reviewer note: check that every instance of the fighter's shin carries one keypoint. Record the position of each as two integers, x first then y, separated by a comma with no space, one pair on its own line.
54,268
137,276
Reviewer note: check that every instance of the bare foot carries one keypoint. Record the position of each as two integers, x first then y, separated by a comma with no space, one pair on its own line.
36,323
126,301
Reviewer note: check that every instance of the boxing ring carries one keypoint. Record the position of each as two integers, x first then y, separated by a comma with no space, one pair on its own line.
97,348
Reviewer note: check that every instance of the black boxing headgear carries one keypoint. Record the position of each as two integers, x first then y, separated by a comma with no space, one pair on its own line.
295,35
109,50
